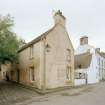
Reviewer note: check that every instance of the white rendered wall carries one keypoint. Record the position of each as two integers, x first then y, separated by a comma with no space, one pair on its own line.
84,48
92,72
100,66
79,82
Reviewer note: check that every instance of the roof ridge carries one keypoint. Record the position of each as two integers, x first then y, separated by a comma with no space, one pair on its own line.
37,39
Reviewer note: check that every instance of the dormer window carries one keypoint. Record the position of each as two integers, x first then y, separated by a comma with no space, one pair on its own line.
31,51
68,56
48,48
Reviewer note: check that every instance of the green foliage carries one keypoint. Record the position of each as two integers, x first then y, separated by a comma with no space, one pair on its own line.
9,43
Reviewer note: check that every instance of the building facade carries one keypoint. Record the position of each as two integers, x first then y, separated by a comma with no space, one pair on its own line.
101,64
48,61
90,62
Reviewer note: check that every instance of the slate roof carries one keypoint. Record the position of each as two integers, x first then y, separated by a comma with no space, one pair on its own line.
102,54
36,39
83,61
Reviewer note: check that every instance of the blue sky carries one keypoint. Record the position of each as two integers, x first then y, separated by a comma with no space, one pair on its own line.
33,17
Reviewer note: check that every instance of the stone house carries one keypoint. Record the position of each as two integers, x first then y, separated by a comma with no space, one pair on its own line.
8,71
48,61
89,63
5,70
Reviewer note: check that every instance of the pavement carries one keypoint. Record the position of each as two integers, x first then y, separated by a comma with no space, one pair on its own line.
12,94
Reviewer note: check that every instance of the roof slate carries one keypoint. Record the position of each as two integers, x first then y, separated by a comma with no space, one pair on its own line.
83,61
36,39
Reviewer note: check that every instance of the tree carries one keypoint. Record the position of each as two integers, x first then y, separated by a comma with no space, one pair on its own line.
9,43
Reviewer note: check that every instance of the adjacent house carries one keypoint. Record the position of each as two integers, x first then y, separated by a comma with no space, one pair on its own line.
101,64
48,61
89,63
5,70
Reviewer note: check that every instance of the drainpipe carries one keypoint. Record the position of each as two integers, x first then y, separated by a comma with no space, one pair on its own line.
44,69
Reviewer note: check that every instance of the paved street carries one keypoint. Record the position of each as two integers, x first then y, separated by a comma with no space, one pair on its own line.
11,94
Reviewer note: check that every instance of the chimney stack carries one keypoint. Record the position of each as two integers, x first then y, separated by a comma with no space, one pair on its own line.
59,18
97,49
84,40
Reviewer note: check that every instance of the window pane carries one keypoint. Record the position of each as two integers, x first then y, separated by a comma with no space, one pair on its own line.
31,51
32,75
68,73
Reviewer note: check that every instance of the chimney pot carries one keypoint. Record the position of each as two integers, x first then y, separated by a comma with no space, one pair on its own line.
97,49
59,18
84,40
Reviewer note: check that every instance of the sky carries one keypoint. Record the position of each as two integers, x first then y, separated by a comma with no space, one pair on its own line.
33,17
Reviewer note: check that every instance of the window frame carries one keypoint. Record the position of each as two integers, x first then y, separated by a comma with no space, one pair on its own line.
68,56
32,75
68,73
31,51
